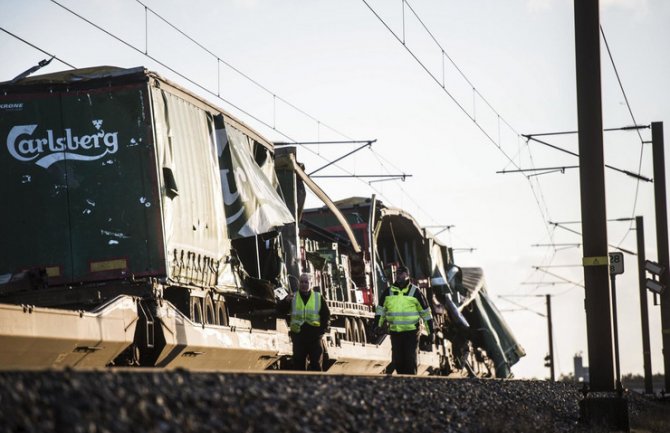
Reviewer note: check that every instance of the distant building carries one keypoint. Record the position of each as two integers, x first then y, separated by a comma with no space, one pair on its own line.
581,372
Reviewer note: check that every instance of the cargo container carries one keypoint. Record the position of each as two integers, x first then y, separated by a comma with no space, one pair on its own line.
118,182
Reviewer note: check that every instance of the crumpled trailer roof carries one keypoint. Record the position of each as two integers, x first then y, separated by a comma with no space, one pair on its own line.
85,76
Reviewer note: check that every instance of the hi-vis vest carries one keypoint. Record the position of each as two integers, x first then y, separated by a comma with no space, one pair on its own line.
305,313
402,310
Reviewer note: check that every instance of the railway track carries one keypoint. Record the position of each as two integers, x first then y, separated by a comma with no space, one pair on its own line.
141,400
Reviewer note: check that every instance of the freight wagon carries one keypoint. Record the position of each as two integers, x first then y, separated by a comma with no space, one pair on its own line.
472,336
142,225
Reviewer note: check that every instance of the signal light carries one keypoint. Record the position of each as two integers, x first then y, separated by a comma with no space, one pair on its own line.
655,270
653,267
654,286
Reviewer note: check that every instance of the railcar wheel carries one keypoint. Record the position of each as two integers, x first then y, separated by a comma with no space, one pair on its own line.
196,310
362,337
210,316
355,333
348,331
221,315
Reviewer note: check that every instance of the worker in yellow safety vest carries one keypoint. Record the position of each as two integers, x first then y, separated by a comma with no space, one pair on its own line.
404,306
310,318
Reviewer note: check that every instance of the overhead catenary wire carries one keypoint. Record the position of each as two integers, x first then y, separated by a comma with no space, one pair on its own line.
342,176
538,195
544,283
273,127
238,71
541,269
350,174
580,234
148,10
618,77
500,118
621,128
630,111
146,50
451,96
38,48
472,117
380,160
626,172
176,72
634,127
536,191
521,306
203,88
171,69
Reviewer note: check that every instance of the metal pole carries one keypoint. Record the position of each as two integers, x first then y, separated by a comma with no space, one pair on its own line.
662,240
372,248
644,313
552,376
294,196
615,323
592,189
258,257
367,144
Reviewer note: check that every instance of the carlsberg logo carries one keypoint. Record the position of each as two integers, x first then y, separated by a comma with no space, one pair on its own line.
50,148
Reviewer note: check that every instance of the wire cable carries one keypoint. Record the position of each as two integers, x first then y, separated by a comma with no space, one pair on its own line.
38,48
630,110
203,88
467,80
145,53
451,96
246,76
472,117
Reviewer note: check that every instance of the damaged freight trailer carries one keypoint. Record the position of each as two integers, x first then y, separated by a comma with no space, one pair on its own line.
472,336
118,183
145,226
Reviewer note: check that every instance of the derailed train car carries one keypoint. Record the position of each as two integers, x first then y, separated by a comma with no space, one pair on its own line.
472,336
144,226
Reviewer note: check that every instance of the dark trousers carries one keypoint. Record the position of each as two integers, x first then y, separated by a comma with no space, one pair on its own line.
307,344
405,346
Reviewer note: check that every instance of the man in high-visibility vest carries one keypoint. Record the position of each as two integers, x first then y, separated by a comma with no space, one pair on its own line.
404,306
310,318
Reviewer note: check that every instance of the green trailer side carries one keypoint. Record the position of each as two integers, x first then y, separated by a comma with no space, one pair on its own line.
79,183
109,174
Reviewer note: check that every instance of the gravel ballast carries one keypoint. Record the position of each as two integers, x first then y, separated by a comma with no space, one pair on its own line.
181,401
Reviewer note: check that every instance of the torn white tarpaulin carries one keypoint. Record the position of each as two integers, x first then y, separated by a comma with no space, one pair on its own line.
252,204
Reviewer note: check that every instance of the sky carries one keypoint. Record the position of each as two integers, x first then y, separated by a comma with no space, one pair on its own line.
447,108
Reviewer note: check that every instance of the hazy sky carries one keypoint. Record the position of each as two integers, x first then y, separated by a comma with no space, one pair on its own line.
353,80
